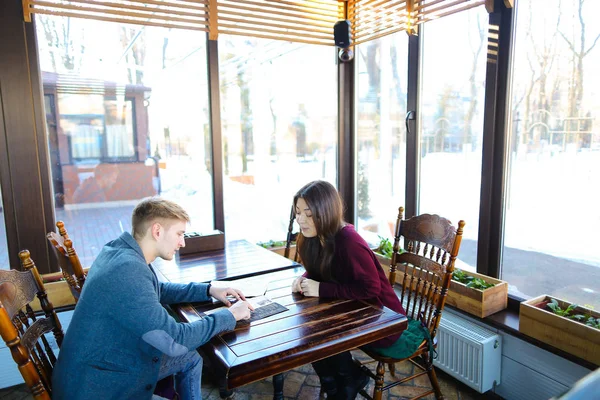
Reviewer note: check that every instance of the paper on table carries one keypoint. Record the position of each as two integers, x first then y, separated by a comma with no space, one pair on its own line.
256,302
251,287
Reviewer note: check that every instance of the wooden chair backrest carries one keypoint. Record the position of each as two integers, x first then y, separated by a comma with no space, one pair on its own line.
25,333
291,236
425,267
68,260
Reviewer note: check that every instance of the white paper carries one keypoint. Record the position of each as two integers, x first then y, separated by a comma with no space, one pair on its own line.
250,287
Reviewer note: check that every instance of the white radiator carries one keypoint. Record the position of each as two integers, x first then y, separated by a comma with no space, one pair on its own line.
468,352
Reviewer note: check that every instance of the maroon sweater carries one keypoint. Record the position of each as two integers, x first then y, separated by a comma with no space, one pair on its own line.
359,275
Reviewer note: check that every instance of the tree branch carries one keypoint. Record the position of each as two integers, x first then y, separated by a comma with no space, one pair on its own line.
592,46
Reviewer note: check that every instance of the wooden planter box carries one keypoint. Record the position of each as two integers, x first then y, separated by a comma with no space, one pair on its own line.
480,303
281,251
563,333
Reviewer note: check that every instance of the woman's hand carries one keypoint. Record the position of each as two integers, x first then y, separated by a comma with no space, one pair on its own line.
222,293
296,284
309,287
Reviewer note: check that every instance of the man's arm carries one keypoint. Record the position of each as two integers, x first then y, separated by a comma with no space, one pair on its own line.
137,308
173,293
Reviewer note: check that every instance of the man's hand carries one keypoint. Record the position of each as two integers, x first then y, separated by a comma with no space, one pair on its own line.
296,284
310,288
241,310
222,293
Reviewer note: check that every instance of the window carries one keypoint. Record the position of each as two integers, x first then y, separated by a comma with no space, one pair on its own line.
97,129
127,117
381,134
279,124
451,122
550,239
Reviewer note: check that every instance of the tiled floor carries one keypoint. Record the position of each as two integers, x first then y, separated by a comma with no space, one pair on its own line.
302,384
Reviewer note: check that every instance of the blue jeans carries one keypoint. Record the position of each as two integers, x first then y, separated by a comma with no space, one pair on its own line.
188,372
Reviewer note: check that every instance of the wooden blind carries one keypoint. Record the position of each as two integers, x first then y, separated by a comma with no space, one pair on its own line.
303,21
372,19
186,14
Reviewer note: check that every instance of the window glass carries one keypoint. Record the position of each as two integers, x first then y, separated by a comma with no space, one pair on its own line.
551,209
127,117
279,124
451,122
381,134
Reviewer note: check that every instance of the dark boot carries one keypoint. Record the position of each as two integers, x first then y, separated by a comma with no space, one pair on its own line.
326,377
329,387
350,380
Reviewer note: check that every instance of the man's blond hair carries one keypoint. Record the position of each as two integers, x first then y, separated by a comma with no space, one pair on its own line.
154,209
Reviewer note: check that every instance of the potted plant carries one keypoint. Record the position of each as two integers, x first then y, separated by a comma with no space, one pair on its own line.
279,247
477,294
564,325
474,293
384,252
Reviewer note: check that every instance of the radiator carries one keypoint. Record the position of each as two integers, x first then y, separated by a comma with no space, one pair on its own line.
469,352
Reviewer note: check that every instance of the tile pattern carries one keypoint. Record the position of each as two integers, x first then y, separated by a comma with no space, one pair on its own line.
303,384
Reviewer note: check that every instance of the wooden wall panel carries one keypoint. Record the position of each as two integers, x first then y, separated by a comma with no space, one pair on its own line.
24,158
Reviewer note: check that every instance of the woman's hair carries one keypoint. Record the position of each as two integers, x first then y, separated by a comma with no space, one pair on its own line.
327,211
152,209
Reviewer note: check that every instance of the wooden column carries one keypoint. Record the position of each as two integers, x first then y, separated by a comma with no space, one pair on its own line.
24,176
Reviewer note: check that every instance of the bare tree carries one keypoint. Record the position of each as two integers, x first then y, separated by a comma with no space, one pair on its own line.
134,51
59,35
370,56
246,115
578,53
541,61
476,48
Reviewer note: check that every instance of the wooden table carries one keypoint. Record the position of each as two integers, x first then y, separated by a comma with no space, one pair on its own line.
311,329
239,259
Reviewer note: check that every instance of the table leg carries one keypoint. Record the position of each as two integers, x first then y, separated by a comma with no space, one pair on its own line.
278,387
224,393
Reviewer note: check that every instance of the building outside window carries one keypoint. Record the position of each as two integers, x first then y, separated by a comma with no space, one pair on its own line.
127,117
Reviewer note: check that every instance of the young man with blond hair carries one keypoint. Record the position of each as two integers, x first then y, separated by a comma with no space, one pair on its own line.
121,340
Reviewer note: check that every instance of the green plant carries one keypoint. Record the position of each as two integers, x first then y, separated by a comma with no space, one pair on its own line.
471,282
556,309
271,243
385,247
478,283
588,318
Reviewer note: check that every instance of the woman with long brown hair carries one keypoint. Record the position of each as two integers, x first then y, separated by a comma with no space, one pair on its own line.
339,264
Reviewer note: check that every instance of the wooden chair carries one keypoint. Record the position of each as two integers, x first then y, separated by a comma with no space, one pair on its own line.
23,331
291,237
68,260
424,272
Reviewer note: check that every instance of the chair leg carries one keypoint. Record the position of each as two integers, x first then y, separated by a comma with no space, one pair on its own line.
392,368
378,389
433,377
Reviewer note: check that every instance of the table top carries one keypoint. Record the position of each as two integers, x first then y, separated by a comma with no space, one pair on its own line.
311,329
240,258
